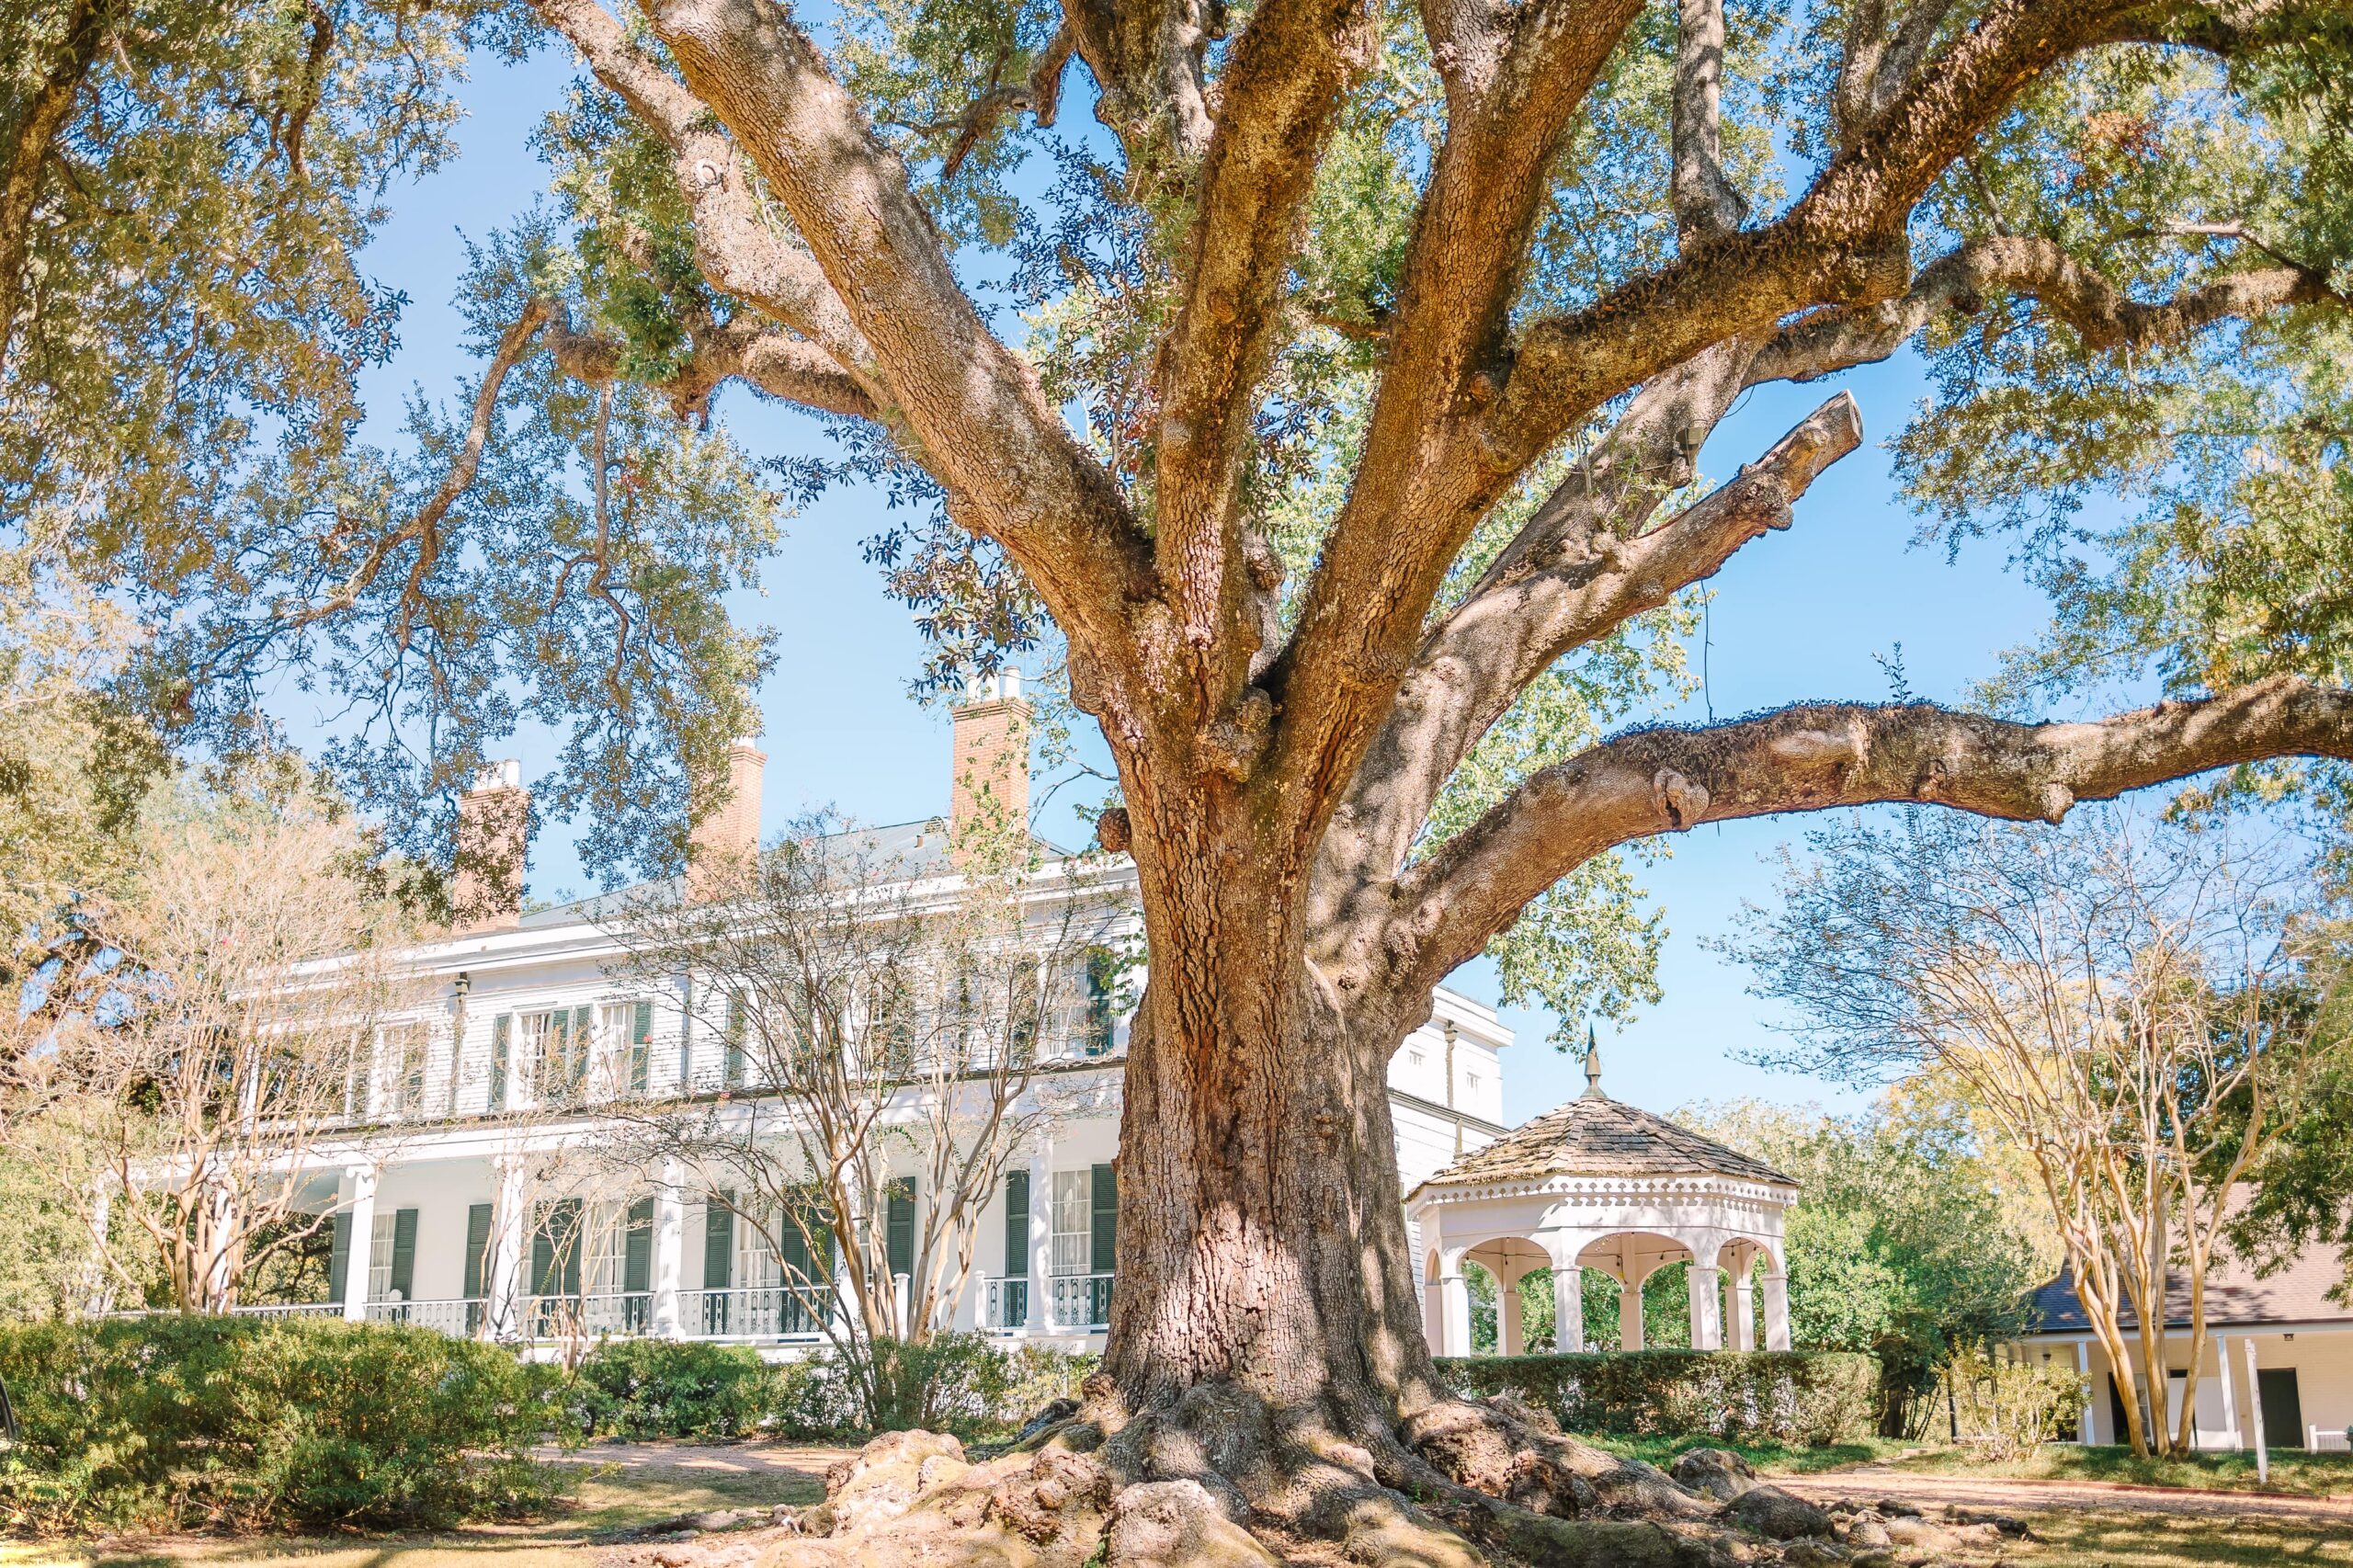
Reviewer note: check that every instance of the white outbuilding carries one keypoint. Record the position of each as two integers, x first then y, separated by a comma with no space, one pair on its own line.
1600,1184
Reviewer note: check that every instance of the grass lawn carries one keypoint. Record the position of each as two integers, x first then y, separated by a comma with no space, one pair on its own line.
2069,1539
609,1498
2312,1475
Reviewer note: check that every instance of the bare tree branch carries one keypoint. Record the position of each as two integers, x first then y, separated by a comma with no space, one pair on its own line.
1815,756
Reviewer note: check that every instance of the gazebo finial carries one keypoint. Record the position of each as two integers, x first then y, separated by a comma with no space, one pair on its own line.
1592,1067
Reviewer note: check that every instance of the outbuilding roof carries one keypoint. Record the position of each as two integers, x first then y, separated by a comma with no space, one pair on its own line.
2236,1296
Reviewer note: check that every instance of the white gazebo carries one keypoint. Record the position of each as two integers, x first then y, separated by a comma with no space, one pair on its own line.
1600,1184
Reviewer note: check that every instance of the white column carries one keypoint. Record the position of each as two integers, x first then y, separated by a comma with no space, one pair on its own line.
1707,1313
1568,1310
359,1251
1629,1312
2230,1395
2083,1430
1744,1311
1041,1233
1510,1333
2255,1409
669,1251
1777,1310
1455,1326
504,1288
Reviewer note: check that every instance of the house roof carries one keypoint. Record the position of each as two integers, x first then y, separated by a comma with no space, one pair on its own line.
2234,1297
913,849
1595,1135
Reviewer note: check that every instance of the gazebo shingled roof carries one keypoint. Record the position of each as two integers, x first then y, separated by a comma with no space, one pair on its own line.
1595,1135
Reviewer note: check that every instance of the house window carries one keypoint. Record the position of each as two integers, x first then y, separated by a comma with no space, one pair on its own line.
624,1045
1099,1021
608,1243
379,1258
558,1046
1074,1222
1416,1058
399,1057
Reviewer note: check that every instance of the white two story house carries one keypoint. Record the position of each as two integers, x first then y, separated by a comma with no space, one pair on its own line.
432,1225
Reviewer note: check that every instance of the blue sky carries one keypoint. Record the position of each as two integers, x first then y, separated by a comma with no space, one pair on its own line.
1797,615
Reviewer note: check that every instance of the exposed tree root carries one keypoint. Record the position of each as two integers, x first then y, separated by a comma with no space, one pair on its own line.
1220,1480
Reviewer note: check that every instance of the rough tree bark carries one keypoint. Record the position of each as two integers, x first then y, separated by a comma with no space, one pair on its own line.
1277,784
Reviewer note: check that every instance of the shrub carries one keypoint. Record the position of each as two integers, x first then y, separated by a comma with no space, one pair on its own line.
661,1388
171,1422
1806,1396
2008,1410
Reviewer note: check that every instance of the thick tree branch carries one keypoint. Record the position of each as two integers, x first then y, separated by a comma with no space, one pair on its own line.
1145,57
1281,87
30,131
1819,756
2098,312
975,409
1705,202
770,358
1465,429
737,249
1520,621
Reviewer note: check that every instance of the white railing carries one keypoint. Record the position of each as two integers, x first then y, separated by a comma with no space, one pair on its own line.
770,1311
1004,1302
1081,1300
458,1319
617,1315
289,1310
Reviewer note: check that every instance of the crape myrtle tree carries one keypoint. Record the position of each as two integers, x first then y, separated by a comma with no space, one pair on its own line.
1370,351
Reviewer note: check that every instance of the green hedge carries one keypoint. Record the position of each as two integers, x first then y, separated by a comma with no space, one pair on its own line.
172,1422
638,1389
1802,1396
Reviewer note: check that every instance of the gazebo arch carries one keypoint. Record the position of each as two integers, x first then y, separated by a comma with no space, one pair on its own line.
1600,1184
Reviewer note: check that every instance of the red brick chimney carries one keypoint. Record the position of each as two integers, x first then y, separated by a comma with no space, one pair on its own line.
989,782
494,835
729,838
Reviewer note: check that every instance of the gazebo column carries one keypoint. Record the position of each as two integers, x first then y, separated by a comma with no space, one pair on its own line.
1454,1325
1511,1338
1630,1311
1568,1309
1707,1330
1777,1308
1744,1309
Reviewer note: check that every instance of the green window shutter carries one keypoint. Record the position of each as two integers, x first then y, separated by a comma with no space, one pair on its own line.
1017,1221
1102,973
500,1029
737,1025
1107,1220
641,1047
637,1248
792,1246
542,1256
477,1249
900,1238
584,1030
405,1254
339,1256
717,1243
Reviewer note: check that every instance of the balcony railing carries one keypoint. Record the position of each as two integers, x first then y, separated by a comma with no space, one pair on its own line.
756,1313
458,1319
1080,1301
289,1310
626,1315
1004,1302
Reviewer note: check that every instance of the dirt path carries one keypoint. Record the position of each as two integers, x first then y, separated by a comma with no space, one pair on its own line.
2031,1497
788,1461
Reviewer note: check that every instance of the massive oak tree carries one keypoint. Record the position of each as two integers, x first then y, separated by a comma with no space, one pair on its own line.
1367,355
